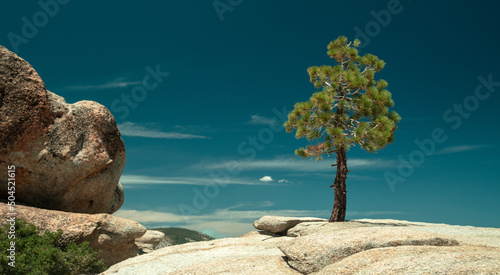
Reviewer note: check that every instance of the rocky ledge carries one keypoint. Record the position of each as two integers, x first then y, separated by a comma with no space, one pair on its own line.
318,247
114,236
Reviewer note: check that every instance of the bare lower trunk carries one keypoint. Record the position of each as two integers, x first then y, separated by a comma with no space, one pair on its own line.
339,205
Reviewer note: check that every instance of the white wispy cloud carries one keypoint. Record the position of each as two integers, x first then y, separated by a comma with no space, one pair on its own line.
148,216
134,130
266,179
230,222
135,181
254,204
458,149
260,120
293,164
118,83
284,180
128,180
227,214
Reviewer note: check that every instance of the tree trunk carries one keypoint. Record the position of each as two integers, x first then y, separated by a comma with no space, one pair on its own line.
339,205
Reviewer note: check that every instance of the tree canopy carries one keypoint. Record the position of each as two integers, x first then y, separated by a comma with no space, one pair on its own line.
351,108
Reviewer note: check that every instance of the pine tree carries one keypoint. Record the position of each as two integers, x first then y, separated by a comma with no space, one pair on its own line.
351,108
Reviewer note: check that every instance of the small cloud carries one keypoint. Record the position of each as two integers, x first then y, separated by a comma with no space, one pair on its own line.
118,83
260,120
266,179
133,130
458,149
284,180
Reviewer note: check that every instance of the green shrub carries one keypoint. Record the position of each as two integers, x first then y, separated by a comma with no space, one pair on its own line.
45,253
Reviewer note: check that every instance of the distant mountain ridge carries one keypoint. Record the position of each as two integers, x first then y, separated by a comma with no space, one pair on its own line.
176,235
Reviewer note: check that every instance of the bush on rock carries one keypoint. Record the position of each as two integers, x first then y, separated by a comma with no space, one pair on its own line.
37,253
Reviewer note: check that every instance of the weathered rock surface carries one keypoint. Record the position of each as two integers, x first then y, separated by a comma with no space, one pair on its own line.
149,241
277,224
313,252
254,252
307,228
247,266
353,247
419,260
466,235
68,157
113,235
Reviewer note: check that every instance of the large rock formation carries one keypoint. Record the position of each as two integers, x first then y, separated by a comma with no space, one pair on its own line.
68,157
313,252
392,247
353,247
114,236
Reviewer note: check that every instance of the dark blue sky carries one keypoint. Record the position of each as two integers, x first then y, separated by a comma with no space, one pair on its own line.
193,86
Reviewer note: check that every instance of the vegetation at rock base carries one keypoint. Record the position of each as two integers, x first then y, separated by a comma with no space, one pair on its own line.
176,235
37,253
351,109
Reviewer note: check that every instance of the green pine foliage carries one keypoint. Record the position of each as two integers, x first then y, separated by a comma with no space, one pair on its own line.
351,108
38,253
